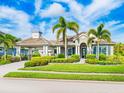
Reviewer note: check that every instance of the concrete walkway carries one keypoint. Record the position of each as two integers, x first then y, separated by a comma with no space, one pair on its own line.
10,67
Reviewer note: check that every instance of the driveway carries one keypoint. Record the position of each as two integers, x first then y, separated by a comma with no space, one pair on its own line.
58,86
10,67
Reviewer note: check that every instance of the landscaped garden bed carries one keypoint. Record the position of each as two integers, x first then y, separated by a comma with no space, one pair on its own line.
9,59
105,60
44,60
65,76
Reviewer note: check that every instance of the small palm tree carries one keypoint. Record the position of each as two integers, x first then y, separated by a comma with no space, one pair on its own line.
98,35
13,41
6,41
62,27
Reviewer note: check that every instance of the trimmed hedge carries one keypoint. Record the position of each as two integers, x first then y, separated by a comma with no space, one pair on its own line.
11,58
36,63
106,60
44,60
102,57
90,56
63,60
76,57
61,56
2,62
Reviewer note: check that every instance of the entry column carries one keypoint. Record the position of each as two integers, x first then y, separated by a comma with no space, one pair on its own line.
30,53
18,50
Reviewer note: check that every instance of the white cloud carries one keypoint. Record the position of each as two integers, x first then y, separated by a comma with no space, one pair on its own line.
20,19
100,8
38,4
53,10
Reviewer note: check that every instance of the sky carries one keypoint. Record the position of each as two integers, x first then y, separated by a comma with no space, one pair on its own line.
21,17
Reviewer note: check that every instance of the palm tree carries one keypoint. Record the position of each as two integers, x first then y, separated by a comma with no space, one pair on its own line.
13,41
98,35
62,27
6,41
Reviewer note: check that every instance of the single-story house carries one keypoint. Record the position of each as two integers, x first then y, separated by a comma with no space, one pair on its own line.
77,44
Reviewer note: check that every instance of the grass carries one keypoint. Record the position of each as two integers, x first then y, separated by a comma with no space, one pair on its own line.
84,68
65,76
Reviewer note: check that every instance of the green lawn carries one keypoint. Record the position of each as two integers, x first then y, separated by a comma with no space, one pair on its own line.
65,76
79,68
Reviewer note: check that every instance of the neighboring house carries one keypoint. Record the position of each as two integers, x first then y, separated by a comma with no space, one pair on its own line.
76,45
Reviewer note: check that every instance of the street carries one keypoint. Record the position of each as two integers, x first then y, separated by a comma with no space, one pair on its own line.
8,85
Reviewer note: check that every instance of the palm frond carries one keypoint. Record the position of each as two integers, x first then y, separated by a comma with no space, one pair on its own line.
100,28
73,26
106,37
58,33
92,32
106,32
62,21
56,27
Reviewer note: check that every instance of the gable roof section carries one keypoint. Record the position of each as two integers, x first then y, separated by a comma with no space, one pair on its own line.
33,42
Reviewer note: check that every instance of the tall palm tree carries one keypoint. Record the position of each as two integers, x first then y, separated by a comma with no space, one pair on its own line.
62,27
6,41
98,35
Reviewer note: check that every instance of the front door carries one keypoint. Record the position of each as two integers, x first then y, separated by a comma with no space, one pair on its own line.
84,52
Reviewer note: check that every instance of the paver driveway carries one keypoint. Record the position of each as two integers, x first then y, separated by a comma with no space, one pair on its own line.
10,67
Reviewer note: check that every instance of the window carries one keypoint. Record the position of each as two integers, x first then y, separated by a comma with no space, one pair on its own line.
55,51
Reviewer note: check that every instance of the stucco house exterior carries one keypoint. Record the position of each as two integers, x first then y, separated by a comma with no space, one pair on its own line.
77,44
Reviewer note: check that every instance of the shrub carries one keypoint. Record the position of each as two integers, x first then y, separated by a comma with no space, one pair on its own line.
8,57
36,62
59,60
48,57
63,60
2,62
102,57
90,56
36,54
29,64
61,56
115,58
107,63
24,57
76,57
72,60
11,58
92,61
15,59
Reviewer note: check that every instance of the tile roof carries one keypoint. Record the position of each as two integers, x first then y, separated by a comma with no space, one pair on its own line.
34,42
30,42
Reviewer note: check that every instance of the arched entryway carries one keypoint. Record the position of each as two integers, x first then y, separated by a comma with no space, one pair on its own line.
83,50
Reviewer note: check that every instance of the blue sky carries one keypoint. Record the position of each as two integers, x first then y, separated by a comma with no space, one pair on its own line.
21,17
